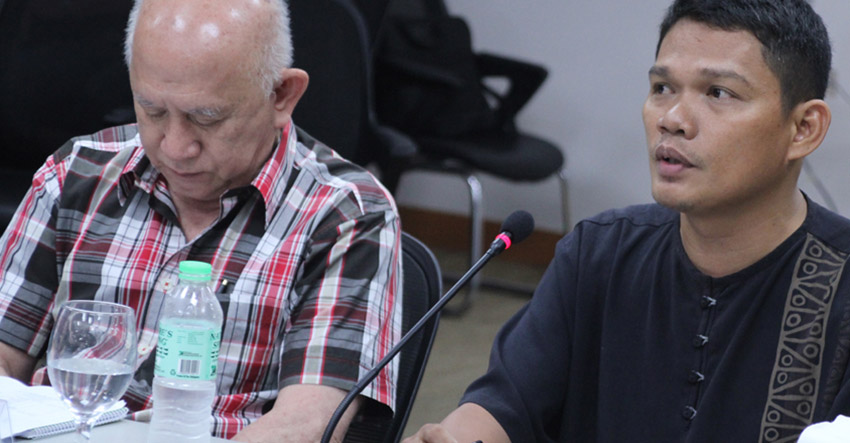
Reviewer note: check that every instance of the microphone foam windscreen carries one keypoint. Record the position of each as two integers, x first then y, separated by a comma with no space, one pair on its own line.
519,224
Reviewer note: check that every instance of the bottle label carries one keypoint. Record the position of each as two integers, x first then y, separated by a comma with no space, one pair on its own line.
187,349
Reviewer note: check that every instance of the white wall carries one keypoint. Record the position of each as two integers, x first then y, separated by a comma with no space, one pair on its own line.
598,53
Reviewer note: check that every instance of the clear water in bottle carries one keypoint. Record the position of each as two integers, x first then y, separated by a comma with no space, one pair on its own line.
186,359
182,410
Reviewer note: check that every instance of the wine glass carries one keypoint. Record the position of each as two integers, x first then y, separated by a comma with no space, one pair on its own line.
91,358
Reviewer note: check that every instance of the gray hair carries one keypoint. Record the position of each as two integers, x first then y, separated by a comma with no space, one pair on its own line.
275,54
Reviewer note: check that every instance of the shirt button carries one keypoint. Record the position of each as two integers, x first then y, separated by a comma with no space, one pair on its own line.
700,341
695,377
707,302
689,413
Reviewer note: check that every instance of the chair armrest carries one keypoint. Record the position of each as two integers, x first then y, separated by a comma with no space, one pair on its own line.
420,70
395,151
524,79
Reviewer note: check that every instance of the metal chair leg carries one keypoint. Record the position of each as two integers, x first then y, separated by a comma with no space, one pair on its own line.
476,228
476,233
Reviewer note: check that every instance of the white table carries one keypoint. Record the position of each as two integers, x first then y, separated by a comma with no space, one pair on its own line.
123,431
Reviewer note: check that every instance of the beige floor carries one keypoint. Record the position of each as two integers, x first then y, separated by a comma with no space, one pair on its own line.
462,345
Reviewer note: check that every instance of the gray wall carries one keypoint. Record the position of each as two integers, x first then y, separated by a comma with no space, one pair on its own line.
598,53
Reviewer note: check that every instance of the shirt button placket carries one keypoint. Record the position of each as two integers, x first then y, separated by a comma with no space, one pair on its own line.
700,341
696,377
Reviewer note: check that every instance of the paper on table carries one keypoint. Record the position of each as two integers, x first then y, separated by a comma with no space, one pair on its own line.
32,407
5,423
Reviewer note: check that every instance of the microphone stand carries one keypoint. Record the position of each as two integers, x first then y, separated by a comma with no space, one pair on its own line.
497,247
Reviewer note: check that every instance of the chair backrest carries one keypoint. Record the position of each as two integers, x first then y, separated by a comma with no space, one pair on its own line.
373,12
331,43
422,290
417,8
62,74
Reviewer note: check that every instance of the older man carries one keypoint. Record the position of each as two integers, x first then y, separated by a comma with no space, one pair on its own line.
721,314
216,171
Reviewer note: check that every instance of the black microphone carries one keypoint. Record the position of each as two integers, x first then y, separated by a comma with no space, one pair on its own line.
516,228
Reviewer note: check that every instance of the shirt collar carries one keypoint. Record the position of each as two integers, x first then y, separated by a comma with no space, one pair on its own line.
273,179
137,173
271,182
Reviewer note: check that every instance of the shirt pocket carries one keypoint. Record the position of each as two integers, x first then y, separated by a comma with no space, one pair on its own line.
255,317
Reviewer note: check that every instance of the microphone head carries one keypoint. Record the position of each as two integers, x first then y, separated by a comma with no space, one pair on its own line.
519,225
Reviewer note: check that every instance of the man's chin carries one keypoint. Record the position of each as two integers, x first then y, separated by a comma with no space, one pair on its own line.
190,191
677,204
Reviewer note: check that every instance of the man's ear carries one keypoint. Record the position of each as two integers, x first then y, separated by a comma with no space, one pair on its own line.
291,86
810,122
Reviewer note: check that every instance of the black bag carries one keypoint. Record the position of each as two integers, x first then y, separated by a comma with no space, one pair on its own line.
427,82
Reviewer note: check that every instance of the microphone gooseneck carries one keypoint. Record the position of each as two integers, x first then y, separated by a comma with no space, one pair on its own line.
516,228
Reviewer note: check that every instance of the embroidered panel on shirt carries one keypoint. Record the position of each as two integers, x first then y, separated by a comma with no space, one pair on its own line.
795,380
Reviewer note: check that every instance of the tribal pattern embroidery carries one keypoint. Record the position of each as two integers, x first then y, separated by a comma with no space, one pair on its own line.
797,370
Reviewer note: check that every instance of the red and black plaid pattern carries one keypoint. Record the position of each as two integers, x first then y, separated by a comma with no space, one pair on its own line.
310,252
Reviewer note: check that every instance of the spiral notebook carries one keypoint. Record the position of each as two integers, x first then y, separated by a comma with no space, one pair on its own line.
38,411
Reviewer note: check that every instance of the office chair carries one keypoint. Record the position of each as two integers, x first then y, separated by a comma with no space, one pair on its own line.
373,12
62,74
331,43
422,289
431,85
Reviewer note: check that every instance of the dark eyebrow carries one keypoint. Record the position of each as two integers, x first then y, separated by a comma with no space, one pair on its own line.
659,71
723,73
711,73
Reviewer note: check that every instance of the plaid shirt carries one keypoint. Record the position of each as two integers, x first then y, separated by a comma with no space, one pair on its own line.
310,251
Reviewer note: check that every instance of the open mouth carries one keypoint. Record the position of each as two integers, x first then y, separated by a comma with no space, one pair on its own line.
671,156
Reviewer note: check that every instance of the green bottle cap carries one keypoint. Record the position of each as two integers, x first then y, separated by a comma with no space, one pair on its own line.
195,270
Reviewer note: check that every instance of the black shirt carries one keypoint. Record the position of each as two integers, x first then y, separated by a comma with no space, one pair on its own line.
625,340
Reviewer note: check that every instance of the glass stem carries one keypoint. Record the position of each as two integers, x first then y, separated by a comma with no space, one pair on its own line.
84,426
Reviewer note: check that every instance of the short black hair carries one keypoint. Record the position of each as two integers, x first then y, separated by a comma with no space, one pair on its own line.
795,44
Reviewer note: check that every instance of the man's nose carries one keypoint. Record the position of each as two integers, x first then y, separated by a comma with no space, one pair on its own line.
679,118
179,140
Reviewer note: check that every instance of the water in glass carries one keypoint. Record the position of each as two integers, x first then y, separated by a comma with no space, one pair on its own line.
91,357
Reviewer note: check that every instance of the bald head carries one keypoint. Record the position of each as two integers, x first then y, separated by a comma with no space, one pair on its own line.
253,34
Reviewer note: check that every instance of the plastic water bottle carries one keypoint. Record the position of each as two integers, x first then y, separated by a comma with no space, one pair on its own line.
186,359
